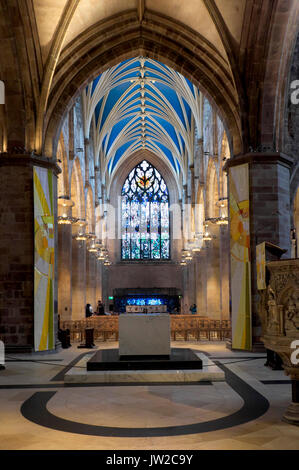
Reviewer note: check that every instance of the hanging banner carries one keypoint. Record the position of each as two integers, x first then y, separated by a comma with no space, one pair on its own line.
240,257
43,259
261,266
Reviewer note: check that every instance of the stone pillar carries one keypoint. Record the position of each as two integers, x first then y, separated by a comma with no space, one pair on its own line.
269,189
213,275
65,272
191,286
99,288
105,284
291,414
202,283
91,280
78,279
224,271
86,153
17,250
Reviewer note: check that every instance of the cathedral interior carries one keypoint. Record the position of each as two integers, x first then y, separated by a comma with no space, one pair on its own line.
149,183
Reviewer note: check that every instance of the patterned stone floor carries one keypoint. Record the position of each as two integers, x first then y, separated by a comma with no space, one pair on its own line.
38,412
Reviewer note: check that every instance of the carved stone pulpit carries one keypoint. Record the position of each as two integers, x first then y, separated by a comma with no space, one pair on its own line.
279,313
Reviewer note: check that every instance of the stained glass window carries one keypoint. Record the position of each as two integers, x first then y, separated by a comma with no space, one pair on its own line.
145,215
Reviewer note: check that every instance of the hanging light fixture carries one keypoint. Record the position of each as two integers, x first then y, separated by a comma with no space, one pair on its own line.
64,219
101,256
81,235
65,204
222,202
95,245
188,256
93,248
207,236
223,220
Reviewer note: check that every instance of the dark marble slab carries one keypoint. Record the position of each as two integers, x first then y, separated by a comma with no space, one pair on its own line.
109,359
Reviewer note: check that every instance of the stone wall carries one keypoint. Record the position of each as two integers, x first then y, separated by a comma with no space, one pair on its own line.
16,259
135,275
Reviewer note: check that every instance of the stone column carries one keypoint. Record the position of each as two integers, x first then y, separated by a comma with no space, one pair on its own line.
86,153
291,414
99,288
65,272
105,284
91,280
17,250
78,279
213,274
224,271
191,285
202,283
269,189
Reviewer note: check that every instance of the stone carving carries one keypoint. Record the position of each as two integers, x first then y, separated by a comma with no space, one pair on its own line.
292,312
273,323
279,313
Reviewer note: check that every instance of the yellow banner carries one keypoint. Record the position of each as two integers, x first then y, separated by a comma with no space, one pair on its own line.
240,257
43,260
261,266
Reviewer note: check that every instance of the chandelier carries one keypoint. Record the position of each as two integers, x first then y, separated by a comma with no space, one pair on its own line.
64,219
95,244
207,236
81,235
67,204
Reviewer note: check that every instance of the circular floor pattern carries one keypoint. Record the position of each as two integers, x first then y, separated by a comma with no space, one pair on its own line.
255,405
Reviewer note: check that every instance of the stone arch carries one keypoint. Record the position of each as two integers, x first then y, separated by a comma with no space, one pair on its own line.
174,197
126,166
272,31
20,69
160,38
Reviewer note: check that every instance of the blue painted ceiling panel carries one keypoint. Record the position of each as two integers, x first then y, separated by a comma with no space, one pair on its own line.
153,81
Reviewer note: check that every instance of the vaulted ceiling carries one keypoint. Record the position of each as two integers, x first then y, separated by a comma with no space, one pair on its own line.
141,104
194,13
236,52
72,33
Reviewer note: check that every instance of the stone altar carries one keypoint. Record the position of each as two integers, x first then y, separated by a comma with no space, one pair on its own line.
144,335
